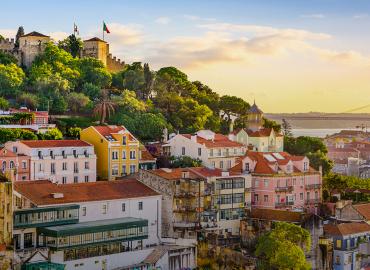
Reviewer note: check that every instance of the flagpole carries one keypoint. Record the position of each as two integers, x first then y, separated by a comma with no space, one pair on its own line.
103,30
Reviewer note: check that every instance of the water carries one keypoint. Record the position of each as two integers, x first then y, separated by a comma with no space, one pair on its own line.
317,132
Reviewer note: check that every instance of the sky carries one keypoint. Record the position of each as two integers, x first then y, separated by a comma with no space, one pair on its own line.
288,55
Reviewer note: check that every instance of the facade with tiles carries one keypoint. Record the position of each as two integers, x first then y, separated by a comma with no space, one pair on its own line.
214,150
117,150
61,161
282,181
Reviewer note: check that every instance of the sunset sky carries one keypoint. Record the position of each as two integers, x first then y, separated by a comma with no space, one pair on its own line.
290,56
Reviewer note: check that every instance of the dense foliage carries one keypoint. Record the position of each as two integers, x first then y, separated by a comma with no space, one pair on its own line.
283,247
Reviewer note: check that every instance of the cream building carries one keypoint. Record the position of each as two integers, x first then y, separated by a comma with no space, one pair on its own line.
61,161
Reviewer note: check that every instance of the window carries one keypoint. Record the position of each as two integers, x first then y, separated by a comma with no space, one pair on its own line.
183,151
211,152
124,140
305,166
256,183
87,165
39,154
246,167
64,166
123,207
133,154
337,260
114,155
52,168
51,154
115,170
213,164
15,149
228,164
124,170
219,152
266,198
75,167
64,180
123,154
24,164
301,196
140,205
132,169
28,240
11,164
86,178
338,243
266,183
74,153
104,209
199,151
256,197
221,164
84,211
41,168
64,154
3,166
75,179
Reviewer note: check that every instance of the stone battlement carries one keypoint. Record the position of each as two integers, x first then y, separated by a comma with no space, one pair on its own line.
7,41
114,64
7,45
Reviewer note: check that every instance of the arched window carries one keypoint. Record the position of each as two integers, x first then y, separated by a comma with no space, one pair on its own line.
11,164
3,167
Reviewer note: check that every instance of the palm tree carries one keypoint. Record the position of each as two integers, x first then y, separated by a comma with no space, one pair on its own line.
104,106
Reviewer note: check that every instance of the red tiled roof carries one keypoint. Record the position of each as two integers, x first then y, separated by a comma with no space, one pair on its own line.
34,34
219,141
173,174
40,191
346,228
6,153
276,215
363,209
346,149
108,130
145,155
55,143
94,39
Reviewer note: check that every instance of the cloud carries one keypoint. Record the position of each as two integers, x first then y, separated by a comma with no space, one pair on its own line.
197,18
313,16
58,35
162,20
360,16
122,34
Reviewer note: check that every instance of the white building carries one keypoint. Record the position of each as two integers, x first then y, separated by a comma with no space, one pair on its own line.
215,150
61,161
93,226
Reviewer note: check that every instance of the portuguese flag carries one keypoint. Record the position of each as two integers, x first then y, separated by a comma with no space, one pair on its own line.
105,28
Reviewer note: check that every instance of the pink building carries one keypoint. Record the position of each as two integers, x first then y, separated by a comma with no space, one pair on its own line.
17,164
282,181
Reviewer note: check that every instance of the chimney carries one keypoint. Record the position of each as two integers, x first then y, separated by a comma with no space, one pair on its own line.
185,174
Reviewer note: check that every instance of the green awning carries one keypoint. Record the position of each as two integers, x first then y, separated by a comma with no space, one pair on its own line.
46,209
93,226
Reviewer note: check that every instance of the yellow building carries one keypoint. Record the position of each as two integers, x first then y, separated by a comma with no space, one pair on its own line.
117,150
6,211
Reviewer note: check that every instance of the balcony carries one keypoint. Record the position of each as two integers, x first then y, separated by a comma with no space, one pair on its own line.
287,189
94,232
313,186
313,201
46,216
283,204
184,224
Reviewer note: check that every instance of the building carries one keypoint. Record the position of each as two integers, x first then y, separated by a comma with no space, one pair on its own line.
214,150
98,225
351,245
146,160
117,150
15,164
199,199
353,212
259,221
281,181
255,136
61,161
6,222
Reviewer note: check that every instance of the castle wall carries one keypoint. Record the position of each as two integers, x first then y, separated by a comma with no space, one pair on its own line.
96,49
8,46
114,64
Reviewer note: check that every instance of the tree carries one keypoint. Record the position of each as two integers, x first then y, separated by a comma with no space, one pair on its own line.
267,123
91,90
148,81
287,128
233,105
104,107
71,44
15,134
77,101
6,58
128,102
29,100
4,104
20,33
184,162
52,134
283,247
320,160
74,132
11,79
93,71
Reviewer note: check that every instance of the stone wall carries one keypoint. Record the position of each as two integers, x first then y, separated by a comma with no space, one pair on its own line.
114,64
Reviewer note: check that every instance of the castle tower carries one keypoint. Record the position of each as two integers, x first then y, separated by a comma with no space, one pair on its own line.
255,118
96,48
31,45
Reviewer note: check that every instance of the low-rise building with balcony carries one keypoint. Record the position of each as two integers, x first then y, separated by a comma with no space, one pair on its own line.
61,161
282,181
15,163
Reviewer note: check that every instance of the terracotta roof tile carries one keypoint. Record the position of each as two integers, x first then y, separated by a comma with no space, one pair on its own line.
219,141
346,228
95,39
55,143
173,174
276,215
34,34
6,153
363,209
145,155
108,130
40,191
